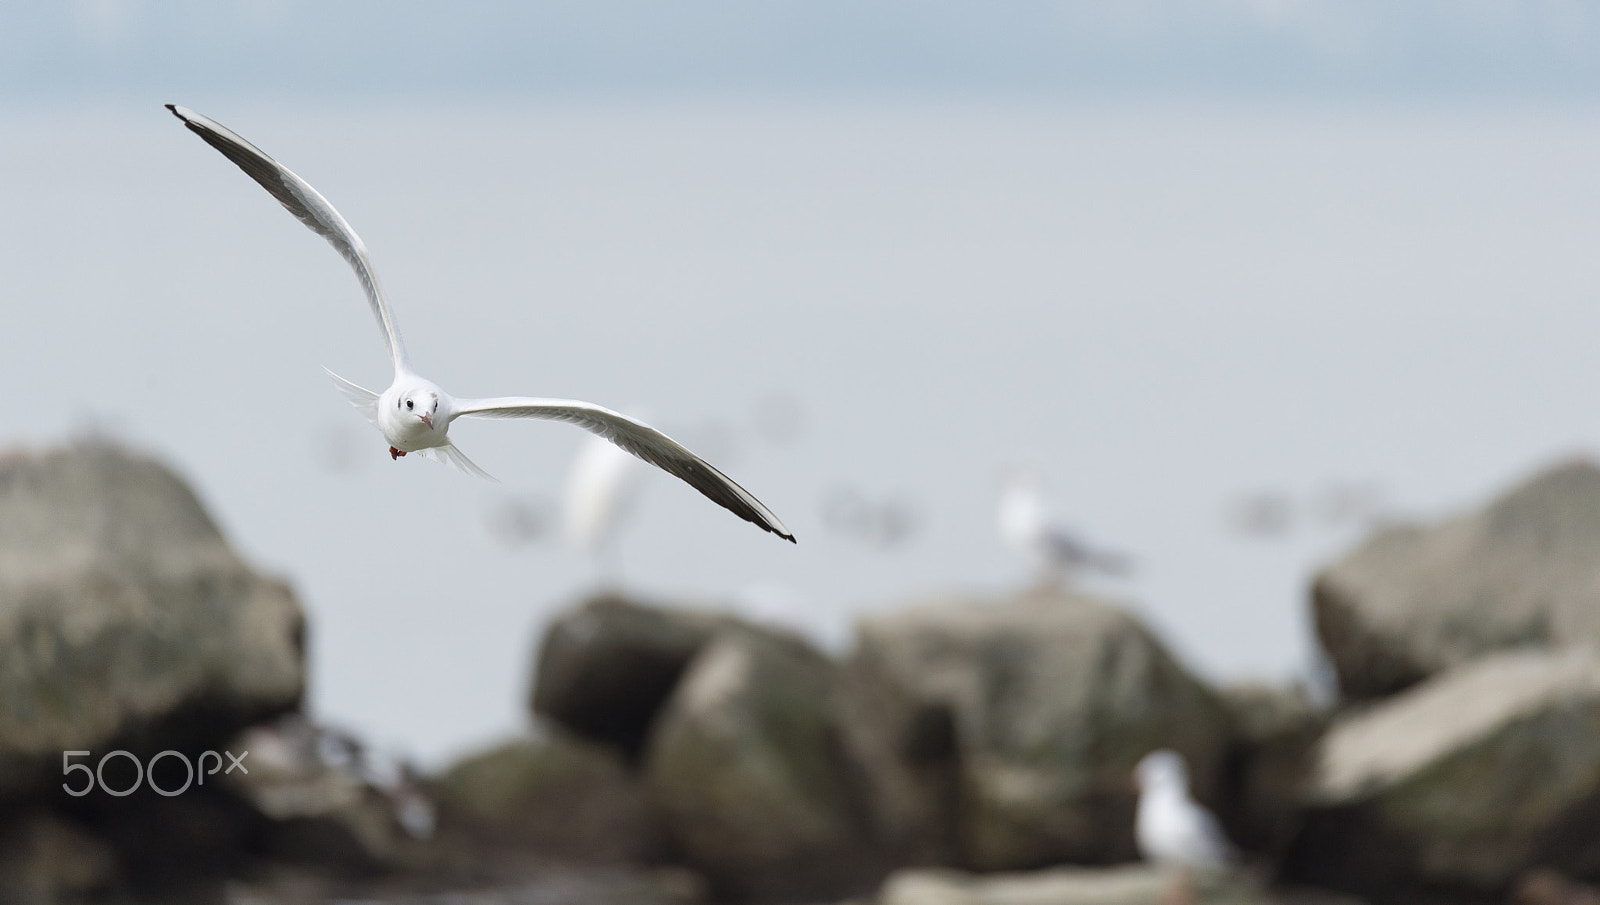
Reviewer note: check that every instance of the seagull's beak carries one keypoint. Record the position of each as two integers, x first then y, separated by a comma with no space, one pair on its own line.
427,419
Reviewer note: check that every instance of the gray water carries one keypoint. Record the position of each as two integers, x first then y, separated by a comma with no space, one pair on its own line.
1163,307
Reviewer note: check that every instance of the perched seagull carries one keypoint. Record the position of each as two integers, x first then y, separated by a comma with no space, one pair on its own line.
414,413
1171,828
1028,526
601,488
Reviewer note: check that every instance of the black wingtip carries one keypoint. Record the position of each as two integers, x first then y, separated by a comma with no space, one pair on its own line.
174,109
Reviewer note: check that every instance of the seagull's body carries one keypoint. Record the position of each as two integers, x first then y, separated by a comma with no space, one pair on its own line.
1170,827
414,413
1028,526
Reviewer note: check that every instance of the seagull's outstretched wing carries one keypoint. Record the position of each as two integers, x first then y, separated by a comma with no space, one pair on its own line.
640,439
362,398
306,203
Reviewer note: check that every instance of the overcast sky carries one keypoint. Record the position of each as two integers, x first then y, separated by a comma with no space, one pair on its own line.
300,48
1169,305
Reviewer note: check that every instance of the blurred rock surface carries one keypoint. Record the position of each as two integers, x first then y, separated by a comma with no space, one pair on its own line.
45,860
1134,884
1543,886
1270,761
315,802
1037,707
1460,784
125,619
555,796
606,667
551,884
1415,599
746,764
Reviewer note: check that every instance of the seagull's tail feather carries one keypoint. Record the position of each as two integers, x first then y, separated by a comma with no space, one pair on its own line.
448,454
360,397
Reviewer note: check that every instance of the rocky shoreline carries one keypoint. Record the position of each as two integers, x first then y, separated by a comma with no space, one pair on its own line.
964,750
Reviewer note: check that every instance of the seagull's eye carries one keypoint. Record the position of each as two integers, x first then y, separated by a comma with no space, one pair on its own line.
409,404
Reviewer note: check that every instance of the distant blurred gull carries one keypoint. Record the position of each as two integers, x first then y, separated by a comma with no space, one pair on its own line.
1264,514
414,414
882,523
1171,828
601,488
516,521
1028,526
1273,514
1360,503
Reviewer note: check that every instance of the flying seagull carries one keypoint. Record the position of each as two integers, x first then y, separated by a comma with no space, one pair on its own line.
414,413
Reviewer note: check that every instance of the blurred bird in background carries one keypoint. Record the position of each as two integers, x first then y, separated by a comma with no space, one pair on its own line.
1029,527
879,523
520,520
602,488
1171,829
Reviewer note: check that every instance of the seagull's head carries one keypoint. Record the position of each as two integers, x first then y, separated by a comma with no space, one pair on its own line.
420,404
1161,769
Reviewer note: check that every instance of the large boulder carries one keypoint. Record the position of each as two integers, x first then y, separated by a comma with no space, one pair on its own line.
1036,708
1416,599
1461,783
607,666
553,795
746,764
125,619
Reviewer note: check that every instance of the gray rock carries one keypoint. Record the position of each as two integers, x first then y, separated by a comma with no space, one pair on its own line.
1462,783
314,801
1414,600
905,747
1039,706
746,766
1543,886
1276,730
556,796
1127,885
605,668
551,883
45,860
125,618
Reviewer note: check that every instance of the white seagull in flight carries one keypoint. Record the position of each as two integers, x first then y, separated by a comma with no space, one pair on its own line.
415,413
